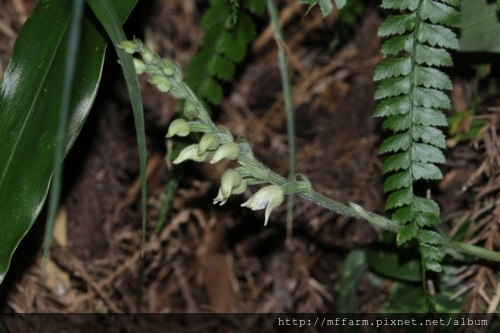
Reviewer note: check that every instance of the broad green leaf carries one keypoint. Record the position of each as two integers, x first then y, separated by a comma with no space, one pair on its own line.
71,53
480,26
30,107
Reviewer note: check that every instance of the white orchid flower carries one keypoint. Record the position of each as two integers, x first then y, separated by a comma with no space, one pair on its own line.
268,197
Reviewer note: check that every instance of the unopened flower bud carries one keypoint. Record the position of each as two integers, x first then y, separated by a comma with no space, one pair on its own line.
168,67
208,142
228,151
178,127
139,65
231,183
190,109
147,55
190,153
128,46
161,83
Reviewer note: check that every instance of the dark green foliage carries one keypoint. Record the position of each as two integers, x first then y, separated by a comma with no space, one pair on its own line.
412,95
229,29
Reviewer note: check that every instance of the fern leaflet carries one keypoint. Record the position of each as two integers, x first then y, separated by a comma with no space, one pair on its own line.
411,96
229,29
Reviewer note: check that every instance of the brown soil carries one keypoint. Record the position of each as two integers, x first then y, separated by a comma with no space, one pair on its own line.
211,258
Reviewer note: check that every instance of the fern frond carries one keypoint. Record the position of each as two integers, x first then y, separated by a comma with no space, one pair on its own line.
229,29
412,95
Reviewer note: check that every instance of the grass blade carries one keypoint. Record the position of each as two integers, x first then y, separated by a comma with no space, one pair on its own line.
106,14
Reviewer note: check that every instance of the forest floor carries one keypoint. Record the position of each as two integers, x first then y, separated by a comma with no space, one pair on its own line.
223,259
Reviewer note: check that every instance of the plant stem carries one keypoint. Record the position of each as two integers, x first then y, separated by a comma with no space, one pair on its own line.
290,117
262,173
375,219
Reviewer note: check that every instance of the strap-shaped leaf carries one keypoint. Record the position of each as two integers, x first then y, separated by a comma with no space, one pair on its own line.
29,111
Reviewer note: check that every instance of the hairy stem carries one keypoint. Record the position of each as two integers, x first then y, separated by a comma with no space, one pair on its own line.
257,171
